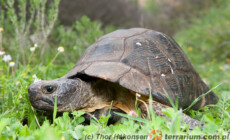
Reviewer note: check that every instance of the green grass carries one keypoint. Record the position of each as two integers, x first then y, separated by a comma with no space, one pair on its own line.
198,41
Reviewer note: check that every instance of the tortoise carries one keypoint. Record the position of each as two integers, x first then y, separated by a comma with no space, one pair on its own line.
119,66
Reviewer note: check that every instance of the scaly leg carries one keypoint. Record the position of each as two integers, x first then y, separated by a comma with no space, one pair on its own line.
157,107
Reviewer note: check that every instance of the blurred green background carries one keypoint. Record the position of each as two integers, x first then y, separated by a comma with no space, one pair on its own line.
31,31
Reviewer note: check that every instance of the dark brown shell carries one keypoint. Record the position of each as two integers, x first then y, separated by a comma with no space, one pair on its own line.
145,61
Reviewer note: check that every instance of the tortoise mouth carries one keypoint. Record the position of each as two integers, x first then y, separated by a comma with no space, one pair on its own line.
47,100
43,104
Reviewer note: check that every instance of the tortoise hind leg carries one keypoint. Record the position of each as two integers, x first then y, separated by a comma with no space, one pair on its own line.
191,122
157,107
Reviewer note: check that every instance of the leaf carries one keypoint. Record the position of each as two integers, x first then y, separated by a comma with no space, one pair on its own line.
152,113
10,100
24,131
132,118
66,117
170,112
77,133
175,116
78,117
210,128
175,125
78,114
3,123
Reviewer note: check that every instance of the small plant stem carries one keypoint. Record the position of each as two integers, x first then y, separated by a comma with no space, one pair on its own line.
8,71
30,58
147,109
1,45
12,69
1,41
51,62
36,117
3,100
92,116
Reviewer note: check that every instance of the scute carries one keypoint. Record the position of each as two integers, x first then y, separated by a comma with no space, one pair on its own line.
110,49
145,61
122,33
136,81
104,70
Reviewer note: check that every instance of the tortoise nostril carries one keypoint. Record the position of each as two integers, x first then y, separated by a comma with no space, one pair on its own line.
32,93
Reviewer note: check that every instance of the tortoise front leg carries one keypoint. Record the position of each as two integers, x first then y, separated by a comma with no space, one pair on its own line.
97,113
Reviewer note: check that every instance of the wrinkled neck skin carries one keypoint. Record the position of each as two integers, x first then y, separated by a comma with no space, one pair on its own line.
84,98
104,95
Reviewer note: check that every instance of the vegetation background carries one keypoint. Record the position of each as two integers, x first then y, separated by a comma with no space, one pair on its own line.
43,39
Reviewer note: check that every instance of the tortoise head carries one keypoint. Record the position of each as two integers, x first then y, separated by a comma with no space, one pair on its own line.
42,94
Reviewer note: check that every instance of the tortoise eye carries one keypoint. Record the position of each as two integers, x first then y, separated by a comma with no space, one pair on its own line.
49,89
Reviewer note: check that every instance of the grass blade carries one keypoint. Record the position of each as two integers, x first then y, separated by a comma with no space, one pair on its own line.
55,108
171,102
199,98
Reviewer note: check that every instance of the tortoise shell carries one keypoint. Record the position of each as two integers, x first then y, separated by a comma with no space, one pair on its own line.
144,61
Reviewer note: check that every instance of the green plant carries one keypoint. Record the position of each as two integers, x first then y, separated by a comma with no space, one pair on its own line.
26,18
213,39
